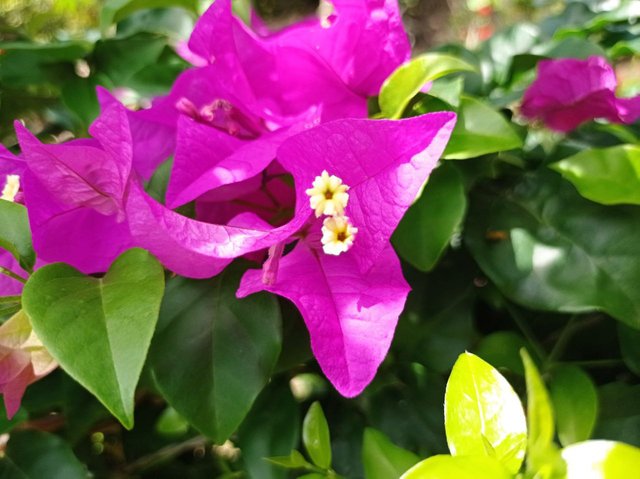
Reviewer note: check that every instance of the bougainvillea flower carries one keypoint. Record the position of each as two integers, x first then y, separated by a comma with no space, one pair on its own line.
569,92
286,77
363,41
347,283
75,192
8,285
23,360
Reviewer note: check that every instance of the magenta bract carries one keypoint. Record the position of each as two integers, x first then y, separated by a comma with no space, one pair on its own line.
569,92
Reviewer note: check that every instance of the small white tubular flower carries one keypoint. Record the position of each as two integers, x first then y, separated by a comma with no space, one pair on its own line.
338,235
328,195
11,188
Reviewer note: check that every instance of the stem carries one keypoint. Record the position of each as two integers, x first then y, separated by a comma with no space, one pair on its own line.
166,453
562,341
526,331
11,274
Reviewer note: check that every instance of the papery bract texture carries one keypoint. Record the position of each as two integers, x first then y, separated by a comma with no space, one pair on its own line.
351,316
23,360
384,163
569,92
363,41
74,193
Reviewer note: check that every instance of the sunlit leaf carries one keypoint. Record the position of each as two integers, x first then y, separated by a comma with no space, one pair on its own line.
458,467
483,414
601,460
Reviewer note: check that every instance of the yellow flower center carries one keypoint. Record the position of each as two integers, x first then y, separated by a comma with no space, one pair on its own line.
11,188
328,195
338,235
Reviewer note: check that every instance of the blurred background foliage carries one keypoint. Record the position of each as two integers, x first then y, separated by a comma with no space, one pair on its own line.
53,53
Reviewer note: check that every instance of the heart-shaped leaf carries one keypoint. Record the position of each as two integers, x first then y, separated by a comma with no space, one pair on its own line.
99,329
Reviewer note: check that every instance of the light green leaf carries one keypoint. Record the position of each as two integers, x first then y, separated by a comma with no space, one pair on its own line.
483,414
543,458
427,227
403,84
36,455
99,330
575,402
382,459
524,242
295,460
458,467
479,130
601,460
605,175
222,347
171,423
315,436
15,235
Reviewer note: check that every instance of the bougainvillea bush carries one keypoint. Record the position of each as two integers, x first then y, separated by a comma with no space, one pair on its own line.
232,247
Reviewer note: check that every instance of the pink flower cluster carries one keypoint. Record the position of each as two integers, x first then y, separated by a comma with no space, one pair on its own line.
251,128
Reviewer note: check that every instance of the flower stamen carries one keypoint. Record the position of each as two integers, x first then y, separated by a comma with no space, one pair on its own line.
328,196
11,188
338,235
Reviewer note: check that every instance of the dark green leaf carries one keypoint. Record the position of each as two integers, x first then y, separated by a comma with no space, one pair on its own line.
502,350
575,402
114,11
630,346
483,414
427,227
272,428
37,455
99,330
547,248
382,459
315,436
213,353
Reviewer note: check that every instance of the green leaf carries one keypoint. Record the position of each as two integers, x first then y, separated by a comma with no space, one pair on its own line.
427,227
221,347
575,402
502,350
629,339
547,248
79,95
295,460
36,454
403,84
15,235
458,467
382,459
543,458
605,175
483,414
121,58
171,423
479,130
315,436
99,330
115,10
619,413
271,428
601,460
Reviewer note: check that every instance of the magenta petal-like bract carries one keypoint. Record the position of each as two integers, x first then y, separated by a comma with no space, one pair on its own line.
153,135
74,193
351,316
384,163
569,92
363,41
